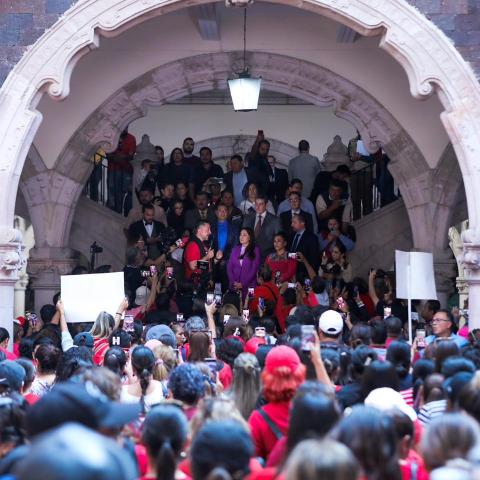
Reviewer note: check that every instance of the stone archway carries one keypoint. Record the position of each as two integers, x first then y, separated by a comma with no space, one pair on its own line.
429,59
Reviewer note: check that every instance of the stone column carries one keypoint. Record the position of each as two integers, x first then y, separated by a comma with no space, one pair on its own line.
471,264
444,267
45,266
11,261
19,295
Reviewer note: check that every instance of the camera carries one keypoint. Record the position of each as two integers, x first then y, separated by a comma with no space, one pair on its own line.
94,248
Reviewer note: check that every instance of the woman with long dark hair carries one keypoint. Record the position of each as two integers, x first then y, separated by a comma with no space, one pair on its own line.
244,262
144,389
164,435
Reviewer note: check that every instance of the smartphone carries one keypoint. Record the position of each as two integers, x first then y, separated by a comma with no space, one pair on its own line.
212,364
226,318
153,270
180,318
251,291
261,303
246,315
260,332
210,298
341,303
33,319
128,323
218,299
387,312
308,337
292,255
218,289
278,277
291,285
169,273
307,284
179,243
421,338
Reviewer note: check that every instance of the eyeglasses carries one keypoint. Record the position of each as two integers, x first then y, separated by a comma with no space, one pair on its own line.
436,320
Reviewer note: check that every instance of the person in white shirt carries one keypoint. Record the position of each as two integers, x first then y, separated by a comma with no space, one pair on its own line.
305,167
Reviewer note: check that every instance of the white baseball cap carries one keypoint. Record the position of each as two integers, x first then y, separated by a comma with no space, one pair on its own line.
388,399
331,322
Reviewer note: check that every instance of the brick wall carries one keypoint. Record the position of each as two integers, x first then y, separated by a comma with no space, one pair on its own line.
23,21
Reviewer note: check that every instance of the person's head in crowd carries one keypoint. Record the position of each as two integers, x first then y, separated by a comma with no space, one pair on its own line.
163,333
228,349
120,338
187,384
298,223
202,230
179,330
227,198
167,190
176,156
83,339
148,212
103,325
54,456
443,324
12,422
433,388
290,297
143,363
303,146
46,358
194,323
246,383
334,225
342,172
25,347
221,449
181,190
12,376
201,200
378,457
295,200
247,240
115,360
399,355
260,204
103,269
72,363
205,155
394,327
236,163
362,357
332,361
165,361
109,383
321,460
159,152
312,416
236,327
250,191
469,397
429,309
456,364
280,245
330,326
263,148
30,372
199,346
338,253
282,375
221,212
453,387
47,313
472,352
378,332
145,196
164,434
444,349
79,270
188,145
450,436
135,256
360,334
4,338
335,189
379,375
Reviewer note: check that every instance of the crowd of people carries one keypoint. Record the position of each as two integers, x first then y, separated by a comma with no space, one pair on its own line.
244,349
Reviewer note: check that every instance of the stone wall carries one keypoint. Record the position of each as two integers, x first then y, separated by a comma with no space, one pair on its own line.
22,22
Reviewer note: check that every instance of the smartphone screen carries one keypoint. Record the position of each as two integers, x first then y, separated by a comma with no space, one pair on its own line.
246,315
251,291
387,312
308,336
260,332
261,303
291,285
128,323
340,303
210,298
218,299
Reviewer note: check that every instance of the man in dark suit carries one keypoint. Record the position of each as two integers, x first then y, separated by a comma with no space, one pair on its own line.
238,176
200,212
224,238
305,242
278,182
295,200
153,233
264,225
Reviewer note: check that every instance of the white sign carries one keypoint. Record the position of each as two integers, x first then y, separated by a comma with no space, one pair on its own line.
85,296
414,275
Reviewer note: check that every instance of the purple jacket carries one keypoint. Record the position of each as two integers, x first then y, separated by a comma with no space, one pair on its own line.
246,273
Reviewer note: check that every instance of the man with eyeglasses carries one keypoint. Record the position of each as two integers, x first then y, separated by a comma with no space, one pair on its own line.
443,326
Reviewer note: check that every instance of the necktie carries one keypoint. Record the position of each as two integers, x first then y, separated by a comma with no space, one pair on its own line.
258,226
295,242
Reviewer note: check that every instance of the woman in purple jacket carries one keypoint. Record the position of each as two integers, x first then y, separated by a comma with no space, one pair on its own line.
244,263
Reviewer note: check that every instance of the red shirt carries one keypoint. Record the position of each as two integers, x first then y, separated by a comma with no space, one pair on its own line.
192,253
268,291
281,312
9,355
262,435
287,267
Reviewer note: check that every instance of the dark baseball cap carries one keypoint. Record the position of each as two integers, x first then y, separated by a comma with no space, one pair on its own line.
80,403
12,375
83,339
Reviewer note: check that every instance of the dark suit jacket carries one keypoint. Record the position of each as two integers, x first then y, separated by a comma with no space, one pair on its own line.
309,246
270,226
138,229
278,188
252,176
286,220
192,217
232,238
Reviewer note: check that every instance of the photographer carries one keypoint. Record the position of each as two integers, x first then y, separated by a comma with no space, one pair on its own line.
334,235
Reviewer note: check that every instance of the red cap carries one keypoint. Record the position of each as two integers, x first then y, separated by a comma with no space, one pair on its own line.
20,321
252,345
282,356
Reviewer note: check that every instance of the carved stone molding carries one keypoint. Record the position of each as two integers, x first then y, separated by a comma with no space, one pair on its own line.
51,261
12,258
